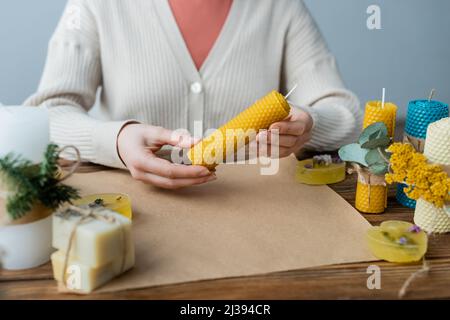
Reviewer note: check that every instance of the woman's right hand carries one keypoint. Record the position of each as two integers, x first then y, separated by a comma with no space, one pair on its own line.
137,144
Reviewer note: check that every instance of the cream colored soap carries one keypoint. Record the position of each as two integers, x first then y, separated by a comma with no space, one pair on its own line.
85,279
96,242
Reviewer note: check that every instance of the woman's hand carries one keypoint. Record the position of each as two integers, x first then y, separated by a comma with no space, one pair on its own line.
137,144
294,133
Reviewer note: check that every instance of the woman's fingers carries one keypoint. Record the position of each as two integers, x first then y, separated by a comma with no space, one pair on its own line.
286,144
161,136
283,140
166,183
152,164
294,128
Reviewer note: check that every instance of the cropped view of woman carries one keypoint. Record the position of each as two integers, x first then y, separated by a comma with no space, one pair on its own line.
164,65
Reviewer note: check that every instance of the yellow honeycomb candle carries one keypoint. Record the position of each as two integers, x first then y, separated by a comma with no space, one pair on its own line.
370,198
371,192
397,241
375,112
114,201
215,148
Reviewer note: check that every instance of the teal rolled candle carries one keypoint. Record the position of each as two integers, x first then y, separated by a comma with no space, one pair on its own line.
403,199
420,114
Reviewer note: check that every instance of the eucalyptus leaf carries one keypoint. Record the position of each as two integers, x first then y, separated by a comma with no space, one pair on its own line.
374,157
382,141
374,131
379,169
354,153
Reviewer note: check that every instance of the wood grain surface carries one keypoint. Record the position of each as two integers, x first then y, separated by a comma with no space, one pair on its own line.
346,281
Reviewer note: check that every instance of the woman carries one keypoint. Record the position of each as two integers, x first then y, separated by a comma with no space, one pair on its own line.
164,64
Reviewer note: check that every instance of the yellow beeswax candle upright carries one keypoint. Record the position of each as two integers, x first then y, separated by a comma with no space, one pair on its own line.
370,198
226,140
371,192
376,112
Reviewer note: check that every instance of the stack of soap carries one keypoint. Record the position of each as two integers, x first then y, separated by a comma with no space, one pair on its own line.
101,248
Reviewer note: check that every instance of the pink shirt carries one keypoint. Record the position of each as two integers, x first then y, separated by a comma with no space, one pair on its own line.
200,23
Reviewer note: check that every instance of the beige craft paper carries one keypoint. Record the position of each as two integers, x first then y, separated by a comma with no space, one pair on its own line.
242,224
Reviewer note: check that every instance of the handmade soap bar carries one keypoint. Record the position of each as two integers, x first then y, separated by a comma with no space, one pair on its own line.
213,149
96,241
84,278
397,241
375,112
308,173
114,201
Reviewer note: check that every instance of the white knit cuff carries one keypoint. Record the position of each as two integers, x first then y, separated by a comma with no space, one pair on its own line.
104,138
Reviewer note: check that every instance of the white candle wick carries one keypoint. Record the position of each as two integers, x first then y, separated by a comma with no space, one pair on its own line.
431,94
292,91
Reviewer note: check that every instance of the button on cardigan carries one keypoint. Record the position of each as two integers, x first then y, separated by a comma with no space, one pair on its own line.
134,52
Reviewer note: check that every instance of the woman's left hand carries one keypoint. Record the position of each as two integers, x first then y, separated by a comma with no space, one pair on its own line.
294,133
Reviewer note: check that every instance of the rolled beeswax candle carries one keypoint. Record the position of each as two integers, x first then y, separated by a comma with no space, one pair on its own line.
402,198
96,242
437,150
86,278
370,198
371,192
375,112
437,145
431,218
420,114
114,201
224,141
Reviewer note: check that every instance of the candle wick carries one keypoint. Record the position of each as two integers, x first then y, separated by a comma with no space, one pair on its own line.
431,94
291,91
383,98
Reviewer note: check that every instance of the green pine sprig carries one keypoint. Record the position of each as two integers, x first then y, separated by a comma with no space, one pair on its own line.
31,184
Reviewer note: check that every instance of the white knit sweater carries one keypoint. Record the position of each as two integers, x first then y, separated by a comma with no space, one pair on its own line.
135,52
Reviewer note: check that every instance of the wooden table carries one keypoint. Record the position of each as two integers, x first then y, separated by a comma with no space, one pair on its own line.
346,281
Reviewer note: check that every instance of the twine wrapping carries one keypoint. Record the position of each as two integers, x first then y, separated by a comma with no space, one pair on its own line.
417,143
372,183
91,213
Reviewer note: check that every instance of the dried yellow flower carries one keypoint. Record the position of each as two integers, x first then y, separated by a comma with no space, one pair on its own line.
423,180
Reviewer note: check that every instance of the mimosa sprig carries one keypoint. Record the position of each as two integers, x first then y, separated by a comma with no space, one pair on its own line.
423,179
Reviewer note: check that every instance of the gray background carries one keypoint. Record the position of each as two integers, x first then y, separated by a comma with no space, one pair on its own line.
409,56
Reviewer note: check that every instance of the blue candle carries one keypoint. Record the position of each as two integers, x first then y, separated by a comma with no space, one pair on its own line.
420,114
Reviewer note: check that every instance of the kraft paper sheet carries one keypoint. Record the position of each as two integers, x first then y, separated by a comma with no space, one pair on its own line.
242,224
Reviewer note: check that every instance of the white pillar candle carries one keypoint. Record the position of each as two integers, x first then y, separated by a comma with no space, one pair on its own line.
26,246
24,131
